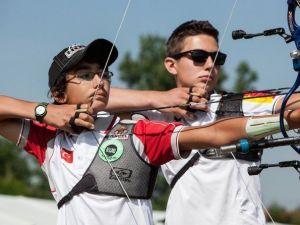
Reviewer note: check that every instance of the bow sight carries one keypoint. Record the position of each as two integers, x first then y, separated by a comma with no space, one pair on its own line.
239,34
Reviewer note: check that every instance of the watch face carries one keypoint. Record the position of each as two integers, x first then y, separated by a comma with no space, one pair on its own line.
40,110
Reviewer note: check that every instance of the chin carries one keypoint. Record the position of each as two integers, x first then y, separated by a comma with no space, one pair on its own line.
98,106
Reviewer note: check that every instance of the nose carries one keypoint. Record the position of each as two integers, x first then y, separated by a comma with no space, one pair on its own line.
209,62
97,81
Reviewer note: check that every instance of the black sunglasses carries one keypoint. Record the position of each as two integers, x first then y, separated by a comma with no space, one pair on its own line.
200,56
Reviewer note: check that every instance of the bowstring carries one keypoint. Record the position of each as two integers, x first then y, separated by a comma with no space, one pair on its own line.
253,191
97,88
118,179
221,41
113,45
205,88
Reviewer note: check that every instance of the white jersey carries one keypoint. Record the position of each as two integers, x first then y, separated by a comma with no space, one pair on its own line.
64,158
215,191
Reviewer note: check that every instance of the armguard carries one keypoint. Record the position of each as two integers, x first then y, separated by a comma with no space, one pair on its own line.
257,128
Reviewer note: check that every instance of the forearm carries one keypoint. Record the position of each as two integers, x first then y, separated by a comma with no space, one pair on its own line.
217,134
231,130
15,108
11,112
126,100
121,100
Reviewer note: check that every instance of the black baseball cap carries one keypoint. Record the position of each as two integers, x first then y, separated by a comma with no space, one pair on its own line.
98,50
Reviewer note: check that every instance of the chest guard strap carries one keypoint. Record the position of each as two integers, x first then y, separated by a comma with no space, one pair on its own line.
189,164
136,175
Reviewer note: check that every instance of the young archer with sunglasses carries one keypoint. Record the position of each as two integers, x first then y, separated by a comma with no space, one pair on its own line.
205,190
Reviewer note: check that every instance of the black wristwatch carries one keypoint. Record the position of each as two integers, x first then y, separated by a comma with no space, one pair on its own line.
40,111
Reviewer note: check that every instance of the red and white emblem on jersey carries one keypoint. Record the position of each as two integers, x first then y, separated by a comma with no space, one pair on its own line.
66,155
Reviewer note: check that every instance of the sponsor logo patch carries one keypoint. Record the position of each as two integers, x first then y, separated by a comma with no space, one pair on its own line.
73,49
111,150
121,133
123,174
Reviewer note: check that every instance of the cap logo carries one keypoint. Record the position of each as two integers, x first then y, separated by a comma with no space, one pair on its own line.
73,49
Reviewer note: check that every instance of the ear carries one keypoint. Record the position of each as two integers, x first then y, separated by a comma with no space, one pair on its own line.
170,65
59,97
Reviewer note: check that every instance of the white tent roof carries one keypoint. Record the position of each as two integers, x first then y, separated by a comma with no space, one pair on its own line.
19,210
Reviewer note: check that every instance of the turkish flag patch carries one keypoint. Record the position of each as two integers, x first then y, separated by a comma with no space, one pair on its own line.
66,155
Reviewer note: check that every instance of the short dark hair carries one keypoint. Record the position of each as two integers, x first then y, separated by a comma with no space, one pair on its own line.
189,28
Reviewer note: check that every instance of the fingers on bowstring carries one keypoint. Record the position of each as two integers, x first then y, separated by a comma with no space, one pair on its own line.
198,91
85,113
81,119
195,101
82,108
86,108
73,123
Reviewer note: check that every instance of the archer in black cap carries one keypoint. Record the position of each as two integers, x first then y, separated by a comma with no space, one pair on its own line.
100,51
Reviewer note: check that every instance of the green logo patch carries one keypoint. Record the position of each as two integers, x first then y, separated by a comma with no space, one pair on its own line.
111,150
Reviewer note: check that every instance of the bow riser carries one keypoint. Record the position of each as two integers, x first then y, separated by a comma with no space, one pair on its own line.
295,32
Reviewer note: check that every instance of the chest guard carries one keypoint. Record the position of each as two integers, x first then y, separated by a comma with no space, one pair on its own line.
117,151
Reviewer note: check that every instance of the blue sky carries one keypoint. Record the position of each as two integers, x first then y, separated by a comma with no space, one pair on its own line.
33,31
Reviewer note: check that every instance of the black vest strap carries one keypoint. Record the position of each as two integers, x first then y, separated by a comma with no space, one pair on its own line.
189,164
86,184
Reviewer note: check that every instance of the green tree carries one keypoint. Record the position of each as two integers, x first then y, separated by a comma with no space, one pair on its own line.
282,215
147,71
279,213
222,78
161,193
245,78
19,174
